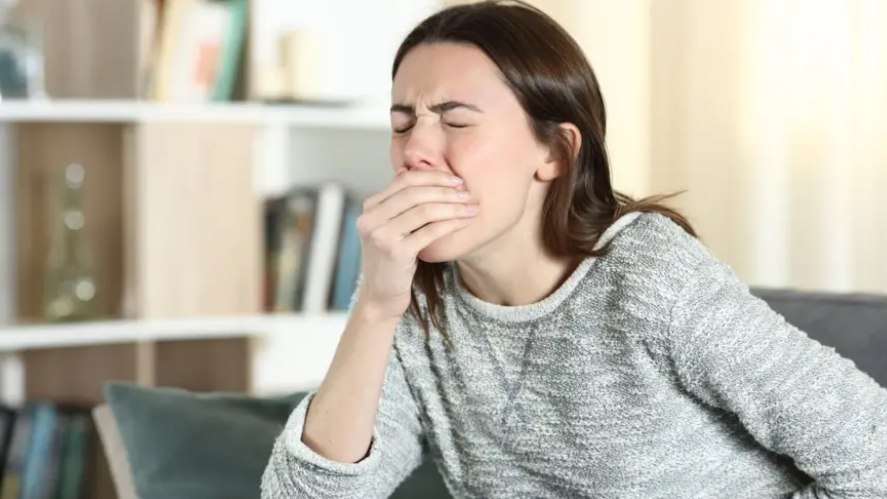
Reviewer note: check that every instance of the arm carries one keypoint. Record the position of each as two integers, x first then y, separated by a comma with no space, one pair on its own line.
339,425
359,435
796,396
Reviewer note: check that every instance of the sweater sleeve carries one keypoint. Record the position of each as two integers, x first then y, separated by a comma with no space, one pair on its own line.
797,397
295,471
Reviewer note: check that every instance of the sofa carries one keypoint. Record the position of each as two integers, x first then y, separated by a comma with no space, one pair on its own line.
170,443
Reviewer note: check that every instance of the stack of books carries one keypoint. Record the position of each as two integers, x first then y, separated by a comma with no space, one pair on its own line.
46,451
312,249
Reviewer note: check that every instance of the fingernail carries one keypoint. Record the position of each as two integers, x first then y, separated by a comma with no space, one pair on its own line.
472,209
464,195
455,180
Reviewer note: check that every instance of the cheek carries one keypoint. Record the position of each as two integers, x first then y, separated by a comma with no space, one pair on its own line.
479,159
496,176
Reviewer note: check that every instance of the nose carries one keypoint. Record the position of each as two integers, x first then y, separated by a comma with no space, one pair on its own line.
423,149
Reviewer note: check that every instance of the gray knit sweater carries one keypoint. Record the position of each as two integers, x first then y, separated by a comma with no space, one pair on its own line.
650,373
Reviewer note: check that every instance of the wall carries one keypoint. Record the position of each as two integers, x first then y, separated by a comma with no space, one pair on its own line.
616,39
355,55
769,115
7,228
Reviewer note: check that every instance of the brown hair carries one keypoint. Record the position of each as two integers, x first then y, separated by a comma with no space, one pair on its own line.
554,83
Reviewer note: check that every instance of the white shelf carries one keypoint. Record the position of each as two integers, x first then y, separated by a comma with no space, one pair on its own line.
25,337
121,111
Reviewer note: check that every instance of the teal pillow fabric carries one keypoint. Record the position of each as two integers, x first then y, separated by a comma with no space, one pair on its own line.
192,445
424,483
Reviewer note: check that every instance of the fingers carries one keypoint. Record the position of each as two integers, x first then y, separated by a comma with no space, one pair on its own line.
420,239
415,178
421,215
419,205
406,191
408,200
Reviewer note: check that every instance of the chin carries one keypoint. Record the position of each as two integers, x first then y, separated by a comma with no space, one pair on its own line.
446,249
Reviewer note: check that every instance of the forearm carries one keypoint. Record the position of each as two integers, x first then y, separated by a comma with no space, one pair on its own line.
796,396
340,420
359,434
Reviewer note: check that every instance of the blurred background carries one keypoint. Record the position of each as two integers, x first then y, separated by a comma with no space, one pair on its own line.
179,178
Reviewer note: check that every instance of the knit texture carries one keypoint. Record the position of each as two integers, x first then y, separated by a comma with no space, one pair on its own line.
652,372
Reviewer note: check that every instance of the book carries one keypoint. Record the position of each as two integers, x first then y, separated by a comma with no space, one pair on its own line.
324,247
312,252
198,50
14,464
46,451
348,266
295,218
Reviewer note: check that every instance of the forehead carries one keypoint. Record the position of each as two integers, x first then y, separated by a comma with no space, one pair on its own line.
446,70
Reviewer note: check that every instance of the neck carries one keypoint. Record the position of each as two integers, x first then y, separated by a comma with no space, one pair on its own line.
514,284
511,272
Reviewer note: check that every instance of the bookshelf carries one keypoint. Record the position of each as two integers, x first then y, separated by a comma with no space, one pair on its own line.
175,215
176,199
357,117
262,326
147,164
161,175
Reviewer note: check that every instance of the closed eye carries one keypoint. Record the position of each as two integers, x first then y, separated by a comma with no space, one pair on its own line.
443,108
406,129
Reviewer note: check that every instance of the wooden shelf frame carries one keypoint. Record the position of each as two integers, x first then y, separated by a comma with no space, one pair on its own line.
110,332
174,220
353,117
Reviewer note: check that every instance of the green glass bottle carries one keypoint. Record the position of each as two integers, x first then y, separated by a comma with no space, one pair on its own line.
70,289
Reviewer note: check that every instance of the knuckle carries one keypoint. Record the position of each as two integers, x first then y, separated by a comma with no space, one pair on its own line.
362,224
377,239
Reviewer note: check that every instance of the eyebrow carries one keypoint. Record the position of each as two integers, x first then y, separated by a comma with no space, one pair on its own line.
436,108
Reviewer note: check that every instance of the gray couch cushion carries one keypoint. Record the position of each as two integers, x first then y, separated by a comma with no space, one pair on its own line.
424,483
855,325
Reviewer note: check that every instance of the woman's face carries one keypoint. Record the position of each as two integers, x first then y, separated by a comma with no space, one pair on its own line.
452,111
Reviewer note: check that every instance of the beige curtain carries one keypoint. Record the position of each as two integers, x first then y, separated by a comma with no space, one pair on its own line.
771,114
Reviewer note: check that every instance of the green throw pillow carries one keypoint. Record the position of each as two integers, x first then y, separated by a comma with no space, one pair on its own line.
191,445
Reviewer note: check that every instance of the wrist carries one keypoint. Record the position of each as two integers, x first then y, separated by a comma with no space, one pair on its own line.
370,313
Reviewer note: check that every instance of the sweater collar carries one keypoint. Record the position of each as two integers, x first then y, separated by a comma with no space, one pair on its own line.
529,312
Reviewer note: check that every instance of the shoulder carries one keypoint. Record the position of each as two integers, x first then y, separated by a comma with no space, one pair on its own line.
652,270
656,253
648,269
662,270
655,234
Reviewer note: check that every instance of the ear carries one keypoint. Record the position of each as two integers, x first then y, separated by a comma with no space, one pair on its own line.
553,167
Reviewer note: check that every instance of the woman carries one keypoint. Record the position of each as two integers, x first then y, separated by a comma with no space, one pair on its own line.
537,334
